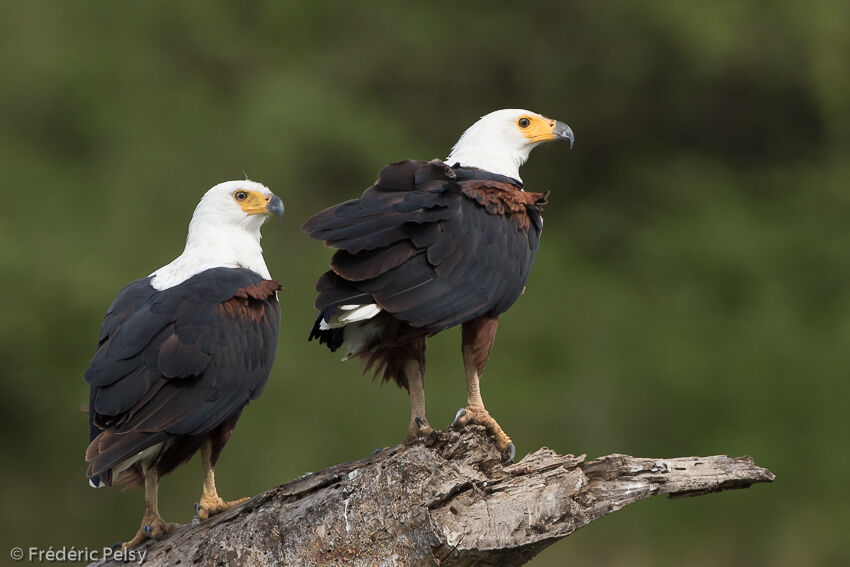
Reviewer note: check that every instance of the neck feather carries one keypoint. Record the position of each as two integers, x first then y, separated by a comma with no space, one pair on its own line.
504,159
238,247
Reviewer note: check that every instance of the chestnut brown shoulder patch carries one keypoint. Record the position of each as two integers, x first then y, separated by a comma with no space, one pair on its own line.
261,290
505,199
250,302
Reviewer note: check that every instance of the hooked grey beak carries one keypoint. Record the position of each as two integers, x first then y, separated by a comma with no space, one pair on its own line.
563,132
275,206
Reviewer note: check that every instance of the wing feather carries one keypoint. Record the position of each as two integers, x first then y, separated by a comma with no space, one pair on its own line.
179,361
431,245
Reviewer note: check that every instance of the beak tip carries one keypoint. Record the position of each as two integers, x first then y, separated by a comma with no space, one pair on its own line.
275,206
564,132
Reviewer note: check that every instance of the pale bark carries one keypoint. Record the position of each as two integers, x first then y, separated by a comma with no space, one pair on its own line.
444,500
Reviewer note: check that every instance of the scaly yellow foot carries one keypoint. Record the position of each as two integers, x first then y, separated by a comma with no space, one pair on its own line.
418,427
212,505
153,527
477,414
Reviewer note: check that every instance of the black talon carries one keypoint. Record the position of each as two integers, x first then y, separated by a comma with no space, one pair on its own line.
115,546
376,451
460,413
149,532
197,519
419,421
511,454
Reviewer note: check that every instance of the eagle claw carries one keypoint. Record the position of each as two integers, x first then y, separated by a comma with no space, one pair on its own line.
511,448
149,532
212,505
478,415
460,413
418,428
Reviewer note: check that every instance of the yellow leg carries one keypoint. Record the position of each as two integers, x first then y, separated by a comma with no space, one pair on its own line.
211,503
416,386
153,526
475,412
478,336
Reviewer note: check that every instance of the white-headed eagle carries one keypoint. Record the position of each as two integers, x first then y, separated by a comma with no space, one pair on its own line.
182,351
431,245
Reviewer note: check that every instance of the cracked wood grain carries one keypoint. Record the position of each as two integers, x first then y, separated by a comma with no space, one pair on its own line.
444,500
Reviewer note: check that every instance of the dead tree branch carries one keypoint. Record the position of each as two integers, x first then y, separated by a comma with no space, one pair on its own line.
444,500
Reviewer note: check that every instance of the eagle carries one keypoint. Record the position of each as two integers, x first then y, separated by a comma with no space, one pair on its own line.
429,246
182,351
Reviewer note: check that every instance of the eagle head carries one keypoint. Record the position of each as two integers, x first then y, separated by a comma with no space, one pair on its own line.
501,141
244,204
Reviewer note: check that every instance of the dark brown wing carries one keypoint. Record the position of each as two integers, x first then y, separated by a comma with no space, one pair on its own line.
179,361
432,245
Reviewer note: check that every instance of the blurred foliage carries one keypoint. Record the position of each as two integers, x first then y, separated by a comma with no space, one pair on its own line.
690,297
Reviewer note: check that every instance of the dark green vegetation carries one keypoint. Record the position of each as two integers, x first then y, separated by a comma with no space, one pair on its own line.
690,297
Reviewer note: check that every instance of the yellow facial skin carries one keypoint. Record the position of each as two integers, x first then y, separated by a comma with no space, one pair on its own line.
252,202
538,128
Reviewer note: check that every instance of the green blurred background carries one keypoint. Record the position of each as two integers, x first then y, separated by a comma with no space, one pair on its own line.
690,296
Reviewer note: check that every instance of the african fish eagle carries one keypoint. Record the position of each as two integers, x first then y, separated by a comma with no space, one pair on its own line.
182,351
430,246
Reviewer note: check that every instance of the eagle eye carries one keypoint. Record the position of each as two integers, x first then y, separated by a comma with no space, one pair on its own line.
523,122
240,195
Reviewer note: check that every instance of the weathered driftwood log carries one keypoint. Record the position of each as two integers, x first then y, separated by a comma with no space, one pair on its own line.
445,500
